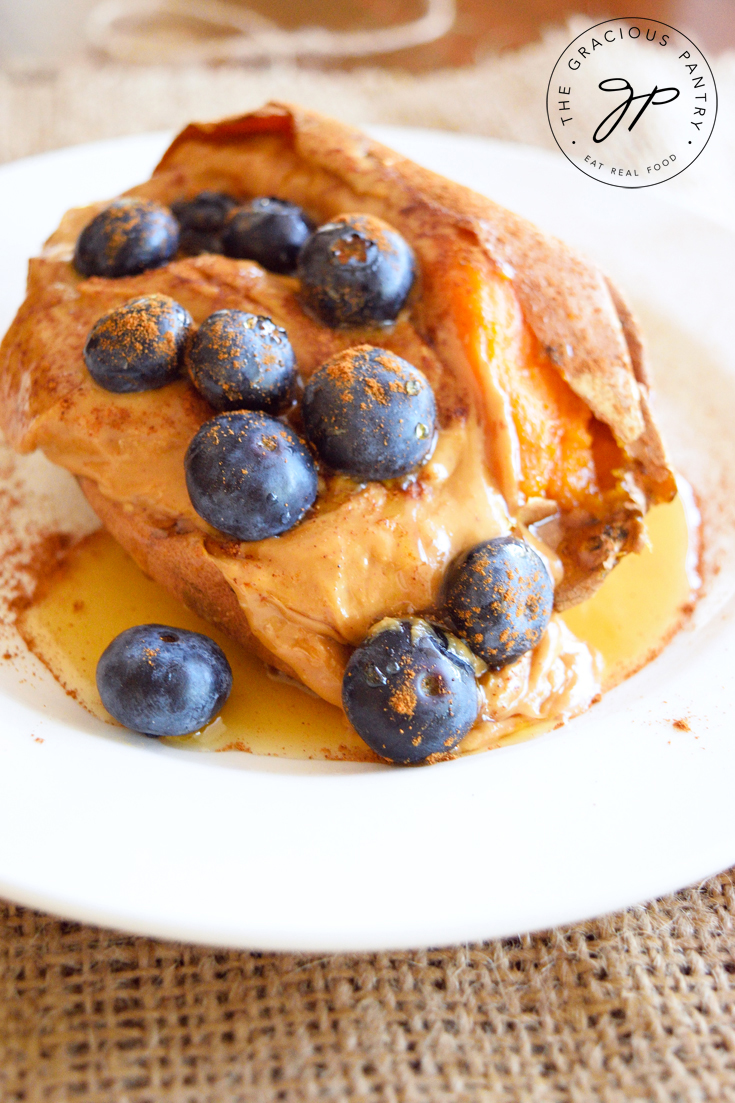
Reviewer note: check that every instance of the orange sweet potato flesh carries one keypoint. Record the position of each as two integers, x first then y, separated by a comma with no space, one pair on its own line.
580,329
566,454
536,362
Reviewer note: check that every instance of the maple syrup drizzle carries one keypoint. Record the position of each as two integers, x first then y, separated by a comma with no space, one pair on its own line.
99,592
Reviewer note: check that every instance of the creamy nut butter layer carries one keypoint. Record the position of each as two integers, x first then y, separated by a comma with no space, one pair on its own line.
535,361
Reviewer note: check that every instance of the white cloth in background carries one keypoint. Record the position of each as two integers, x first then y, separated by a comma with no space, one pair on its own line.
504,96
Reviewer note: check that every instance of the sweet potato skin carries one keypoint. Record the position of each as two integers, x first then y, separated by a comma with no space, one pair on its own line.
578,317
177,562
578,322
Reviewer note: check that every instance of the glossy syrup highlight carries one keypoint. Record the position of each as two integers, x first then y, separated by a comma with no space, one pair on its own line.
100,591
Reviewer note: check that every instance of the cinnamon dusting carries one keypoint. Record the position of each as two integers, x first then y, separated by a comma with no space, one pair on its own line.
403,700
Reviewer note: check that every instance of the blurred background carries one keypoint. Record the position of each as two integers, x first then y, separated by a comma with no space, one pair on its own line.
410,35
84,1007
75,71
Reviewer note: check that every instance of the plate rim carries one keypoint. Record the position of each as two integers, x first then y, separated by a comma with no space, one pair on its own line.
359,940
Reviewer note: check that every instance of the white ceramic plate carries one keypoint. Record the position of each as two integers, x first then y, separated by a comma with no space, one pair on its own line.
619,806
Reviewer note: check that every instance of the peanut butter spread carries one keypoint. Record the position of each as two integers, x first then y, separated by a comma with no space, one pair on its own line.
539,381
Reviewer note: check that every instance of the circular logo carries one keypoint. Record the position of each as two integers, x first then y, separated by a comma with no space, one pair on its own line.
631,102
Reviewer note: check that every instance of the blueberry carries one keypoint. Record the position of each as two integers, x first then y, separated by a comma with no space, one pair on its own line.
370,414
128,237
138,346
201,220
355,271
407,691
499,599
163,681
239,360
250,476
268,230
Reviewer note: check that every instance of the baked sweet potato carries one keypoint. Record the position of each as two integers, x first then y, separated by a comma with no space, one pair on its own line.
536,363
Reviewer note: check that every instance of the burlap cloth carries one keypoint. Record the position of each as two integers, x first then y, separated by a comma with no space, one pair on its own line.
637,1006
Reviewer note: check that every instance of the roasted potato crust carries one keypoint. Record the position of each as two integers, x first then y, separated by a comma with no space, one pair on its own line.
518,334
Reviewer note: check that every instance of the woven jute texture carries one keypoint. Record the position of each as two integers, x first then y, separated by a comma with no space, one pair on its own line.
44,108
638,1006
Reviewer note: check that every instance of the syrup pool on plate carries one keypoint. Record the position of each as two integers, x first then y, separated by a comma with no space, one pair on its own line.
99,591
